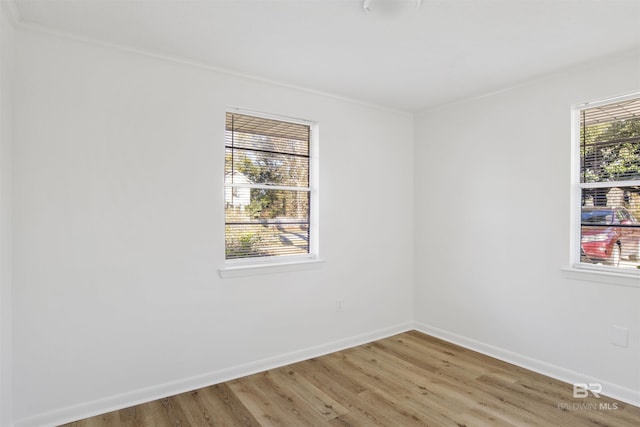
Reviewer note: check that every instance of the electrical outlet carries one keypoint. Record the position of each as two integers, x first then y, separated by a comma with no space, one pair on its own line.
619,336
338,305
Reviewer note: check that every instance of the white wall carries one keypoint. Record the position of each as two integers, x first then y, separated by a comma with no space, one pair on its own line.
117,215
492,199
118,223
6,138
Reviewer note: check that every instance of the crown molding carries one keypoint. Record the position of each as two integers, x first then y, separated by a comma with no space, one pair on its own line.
621,55
48,31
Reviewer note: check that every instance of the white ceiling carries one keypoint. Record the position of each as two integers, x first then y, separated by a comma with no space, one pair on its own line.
395,56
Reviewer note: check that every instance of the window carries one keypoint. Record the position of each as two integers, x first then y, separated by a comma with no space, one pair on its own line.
268,188
608,184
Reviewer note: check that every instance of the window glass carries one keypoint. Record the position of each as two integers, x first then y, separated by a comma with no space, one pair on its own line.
609,184
267,187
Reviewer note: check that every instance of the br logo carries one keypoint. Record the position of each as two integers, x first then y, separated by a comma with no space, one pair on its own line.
582,390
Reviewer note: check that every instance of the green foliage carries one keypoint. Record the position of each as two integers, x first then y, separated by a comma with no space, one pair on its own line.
247,244
267,204
263,168
611,151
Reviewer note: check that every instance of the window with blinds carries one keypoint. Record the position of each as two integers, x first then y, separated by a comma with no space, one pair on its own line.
267,185
609,183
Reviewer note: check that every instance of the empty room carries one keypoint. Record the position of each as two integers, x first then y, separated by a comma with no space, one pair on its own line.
319,213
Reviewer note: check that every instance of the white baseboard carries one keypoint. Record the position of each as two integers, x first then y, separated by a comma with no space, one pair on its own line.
612,390
124,400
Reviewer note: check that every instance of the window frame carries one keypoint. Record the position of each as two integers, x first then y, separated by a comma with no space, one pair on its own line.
577,269
238,267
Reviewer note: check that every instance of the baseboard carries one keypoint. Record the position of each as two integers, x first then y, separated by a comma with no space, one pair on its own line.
612,390
124,400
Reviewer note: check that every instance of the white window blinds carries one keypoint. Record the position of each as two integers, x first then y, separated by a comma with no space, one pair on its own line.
267,187
609,136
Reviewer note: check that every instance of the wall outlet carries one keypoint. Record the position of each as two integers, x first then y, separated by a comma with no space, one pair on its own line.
339,304
619,336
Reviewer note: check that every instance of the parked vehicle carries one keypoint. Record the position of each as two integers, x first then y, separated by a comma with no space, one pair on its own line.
608,234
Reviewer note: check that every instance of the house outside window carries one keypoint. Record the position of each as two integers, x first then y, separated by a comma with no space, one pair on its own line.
607,185
268,187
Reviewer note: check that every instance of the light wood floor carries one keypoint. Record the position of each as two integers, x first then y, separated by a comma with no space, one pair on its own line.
405,380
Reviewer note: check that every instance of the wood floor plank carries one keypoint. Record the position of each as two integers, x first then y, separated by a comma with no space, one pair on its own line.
344,389
234,409
384,397
149,414
267,394
111,419
447,389
411,382
214,406
196,408
261,406
410,379
313,395
127,417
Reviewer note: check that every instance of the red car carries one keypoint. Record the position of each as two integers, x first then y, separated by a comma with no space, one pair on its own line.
609,234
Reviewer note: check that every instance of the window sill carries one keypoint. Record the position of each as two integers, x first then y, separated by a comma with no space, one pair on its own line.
602,276
243,270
